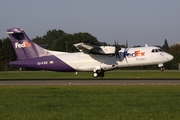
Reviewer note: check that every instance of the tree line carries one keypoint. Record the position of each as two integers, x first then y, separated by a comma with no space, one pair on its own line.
58,40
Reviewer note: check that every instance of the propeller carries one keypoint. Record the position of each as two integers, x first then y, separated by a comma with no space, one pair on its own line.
126,50
117,49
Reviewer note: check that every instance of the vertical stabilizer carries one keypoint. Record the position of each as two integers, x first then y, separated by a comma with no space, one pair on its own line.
23,46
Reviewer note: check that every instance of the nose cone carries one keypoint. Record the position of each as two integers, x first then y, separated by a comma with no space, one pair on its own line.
170,57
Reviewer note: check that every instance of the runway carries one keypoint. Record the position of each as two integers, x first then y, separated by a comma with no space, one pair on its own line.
89,82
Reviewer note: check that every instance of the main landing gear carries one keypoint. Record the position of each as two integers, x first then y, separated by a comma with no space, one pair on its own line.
98,73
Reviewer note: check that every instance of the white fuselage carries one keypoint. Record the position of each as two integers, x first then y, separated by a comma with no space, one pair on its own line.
128,57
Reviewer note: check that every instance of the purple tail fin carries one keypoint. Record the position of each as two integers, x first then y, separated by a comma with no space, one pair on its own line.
23,46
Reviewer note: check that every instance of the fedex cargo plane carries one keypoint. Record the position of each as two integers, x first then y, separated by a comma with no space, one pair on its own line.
97,59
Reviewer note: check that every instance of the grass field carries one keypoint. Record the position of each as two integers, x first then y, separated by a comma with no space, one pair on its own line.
135,74
89,102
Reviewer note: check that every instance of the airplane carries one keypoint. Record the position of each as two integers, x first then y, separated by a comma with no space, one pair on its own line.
97,59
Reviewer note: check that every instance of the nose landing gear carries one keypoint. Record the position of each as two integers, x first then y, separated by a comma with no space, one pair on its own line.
161,67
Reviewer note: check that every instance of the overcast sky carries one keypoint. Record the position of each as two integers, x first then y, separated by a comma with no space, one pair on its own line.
139,21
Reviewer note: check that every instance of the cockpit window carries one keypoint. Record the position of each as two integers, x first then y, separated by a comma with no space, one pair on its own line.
160,50
156,50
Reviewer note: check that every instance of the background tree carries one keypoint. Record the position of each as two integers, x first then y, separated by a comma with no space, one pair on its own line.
166,47
7,54
175,51
1,55
65,42
48,39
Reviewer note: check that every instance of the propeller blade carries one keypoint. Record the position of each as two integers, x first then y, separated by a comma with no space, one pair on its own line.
126,44
126,50
117,50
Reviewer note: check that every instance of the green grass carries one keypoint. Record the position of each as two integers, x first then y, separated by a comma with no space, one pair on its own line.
89,102
135,74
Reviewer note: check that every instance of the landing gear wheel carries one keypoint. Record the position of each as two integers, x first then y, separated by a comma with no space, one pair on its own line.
95,75
101,75
98,73
162,68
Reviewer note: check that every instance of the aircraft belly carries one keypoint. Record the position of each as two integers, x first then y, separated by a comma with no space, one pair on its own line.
92,66
85,62
90,63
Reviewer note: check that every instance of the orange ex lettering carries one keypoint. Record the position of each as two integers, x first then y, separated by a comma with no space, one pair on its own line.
27,44
142,53
139,53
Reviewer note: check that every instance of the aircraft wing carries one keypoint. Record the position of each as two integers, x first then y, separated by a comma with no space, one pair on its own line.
88,48
93,49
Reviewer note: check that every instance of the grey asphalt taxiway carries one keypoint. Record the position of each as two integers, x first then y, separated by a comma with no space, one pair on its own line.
90,82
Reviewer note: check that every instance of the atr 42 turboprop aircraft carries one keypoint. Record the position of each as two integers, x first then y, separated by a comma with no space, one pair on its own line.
97,59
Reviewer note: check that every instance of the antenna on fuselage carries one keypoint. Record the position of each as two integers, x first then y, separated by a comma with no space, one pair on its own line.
145,44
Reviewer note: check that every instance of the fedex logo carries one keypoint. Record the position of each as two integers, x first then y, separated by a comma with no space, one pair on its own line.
23,45
137,53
